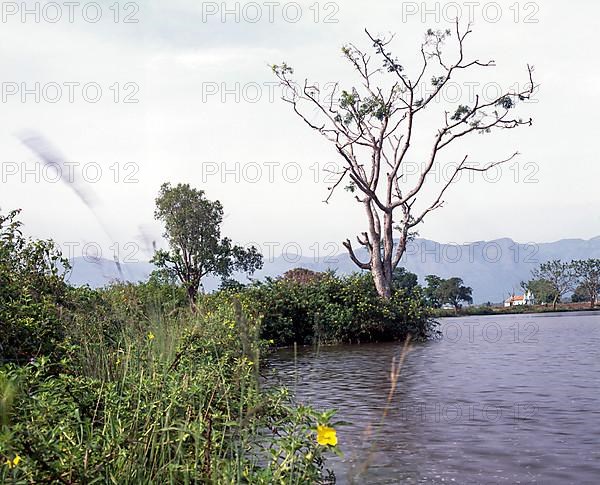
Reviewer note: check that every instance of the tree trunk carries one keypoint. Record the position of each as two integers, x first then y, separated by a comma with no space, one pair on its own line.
383,285
554,303
381,275
388,250
192,292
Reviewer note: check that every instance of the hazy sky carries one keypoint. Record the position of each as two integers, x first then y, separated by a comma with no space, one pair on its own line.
208,113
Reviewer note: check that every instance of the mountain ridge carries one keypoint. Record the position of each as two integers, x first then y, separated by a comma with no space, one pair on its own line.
494,268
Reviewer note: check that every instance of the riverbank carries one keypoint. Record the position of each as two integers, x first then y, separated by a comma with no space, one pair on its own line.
500,310
137,394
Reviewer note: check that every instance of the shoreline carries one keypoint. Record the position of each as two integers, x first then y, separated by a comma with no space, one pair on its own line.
514,310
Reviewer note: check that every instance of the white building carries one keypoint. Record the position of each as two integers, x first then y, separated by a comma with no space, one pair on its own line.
516,300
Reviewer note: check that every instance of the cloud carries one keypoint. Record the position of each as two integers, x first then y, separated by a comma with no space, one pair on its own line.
213,58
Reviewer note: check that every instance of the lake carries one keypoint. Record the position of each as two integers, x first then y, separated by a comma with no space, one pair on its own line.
496,399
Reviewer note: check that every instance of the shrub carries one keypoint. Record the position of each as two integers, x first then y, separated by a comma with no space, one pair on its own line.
332,309
33,293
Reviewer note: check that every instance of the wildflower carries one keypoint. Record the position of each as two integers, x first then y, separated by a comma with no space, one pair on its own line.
14,462
150,336
326,436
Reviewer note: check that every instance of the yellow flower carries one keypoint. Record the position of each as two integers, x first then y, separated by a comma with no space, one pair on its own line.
13,463
150,335
326,436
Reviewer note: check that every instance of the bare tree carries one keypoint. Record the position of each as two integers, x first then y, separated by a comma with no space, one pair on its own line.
373,126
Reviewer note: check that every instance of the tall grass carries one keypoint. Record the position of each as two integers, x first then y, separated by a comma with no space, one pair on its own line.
166,399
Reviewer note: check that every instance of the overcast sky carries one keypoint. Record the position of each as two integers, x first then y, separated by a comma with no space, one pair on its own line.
208,113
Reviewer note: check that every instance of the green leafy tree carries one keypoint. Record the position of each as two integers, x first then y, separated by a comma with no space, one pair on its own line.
432,290
453,291
588,273
560,275
543,291
402,278
440,291
193,232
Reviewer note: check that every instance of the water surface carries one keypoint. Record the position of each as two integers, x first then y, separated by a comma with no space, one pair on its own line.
497,399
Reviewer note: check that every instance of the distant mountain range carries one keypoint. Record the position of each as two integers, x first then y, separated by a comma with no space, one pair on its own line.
494,269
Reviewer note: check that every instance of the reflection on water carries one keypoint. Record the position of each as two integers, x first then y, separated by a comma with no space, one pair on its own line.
498,399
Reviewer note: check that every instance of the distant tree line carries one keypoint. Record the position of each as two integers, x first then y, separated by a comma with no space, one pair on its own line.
552,280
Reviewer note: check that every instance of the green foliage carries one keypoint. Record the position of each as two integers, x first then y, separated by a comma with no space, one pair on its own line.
390,63
432,290
193,231
403,279
33,293
437,80
543,291
553,279
332,309
452,291
282,69
460,113
506,102
560,275
126,384
169,402
356,109
588,274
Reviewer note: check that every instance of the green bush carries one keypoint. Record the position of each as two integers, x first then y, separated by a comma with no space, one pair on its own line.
333,309
33,293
